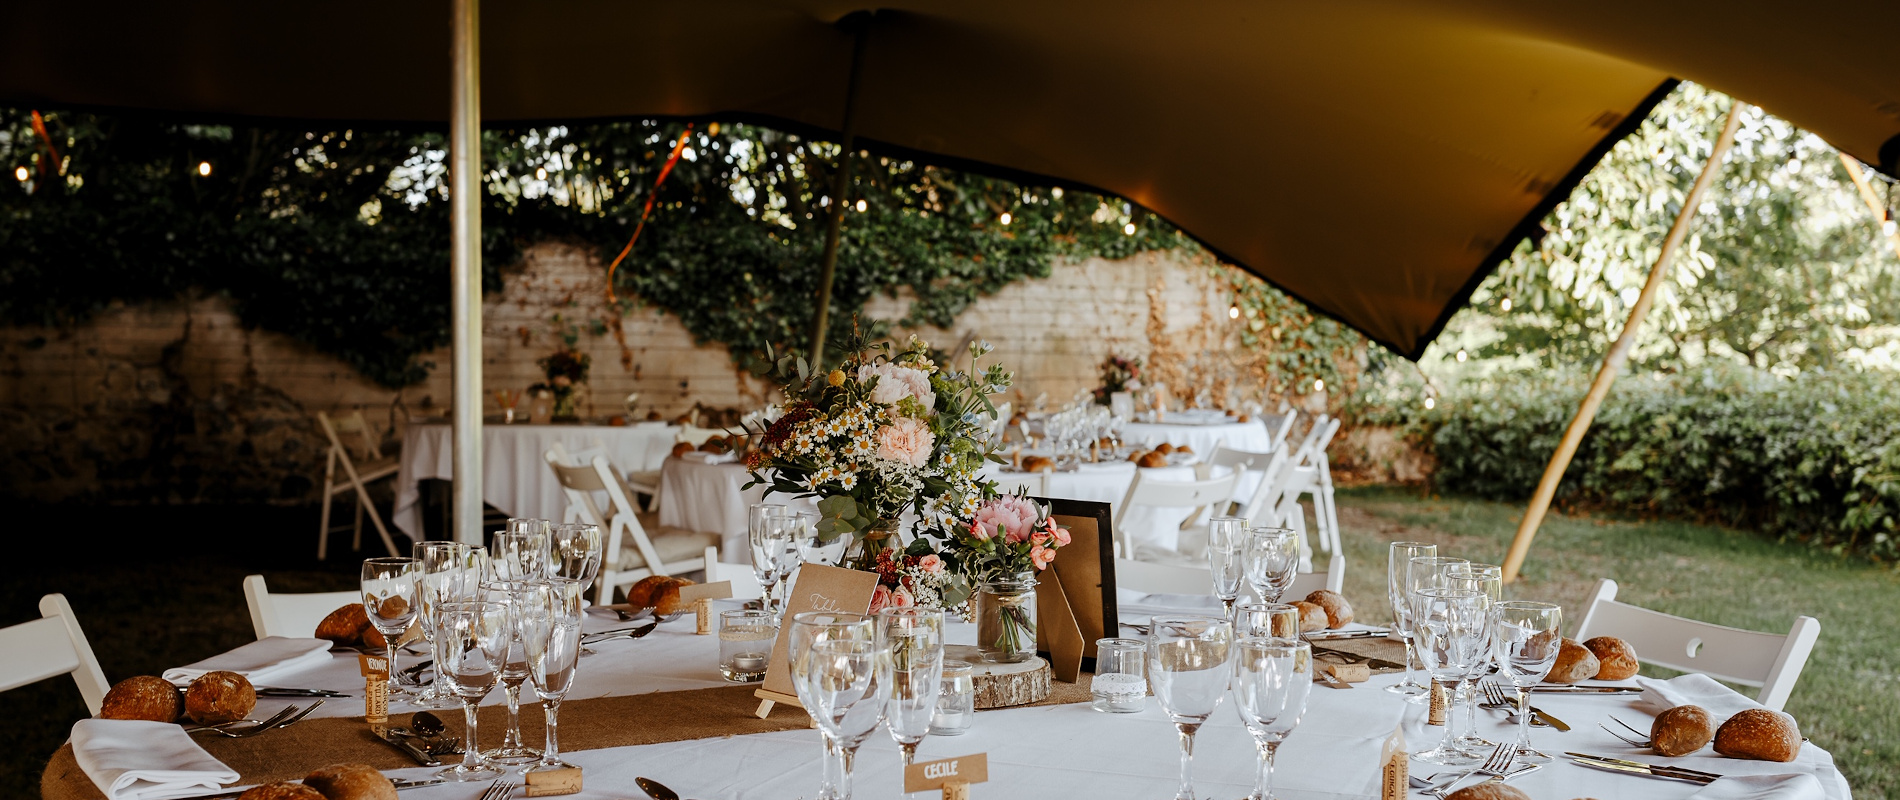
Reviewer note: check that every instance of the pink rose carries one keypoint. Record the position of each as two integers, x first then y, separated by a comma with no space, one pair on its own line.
1009,516
1040,537
906,441
895,383
931,563
880,597
1061,533
902,598
1041,556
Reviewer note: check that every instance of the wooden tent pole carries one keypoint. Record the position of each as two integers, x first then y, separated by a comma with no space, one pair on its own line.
1873,201
840,187
1619,352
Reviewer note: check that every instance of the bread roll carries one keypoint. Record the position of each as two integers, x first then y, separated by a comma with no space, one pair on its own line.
640,595
716,444
1574,663
1338,611
1312,616
1039,464
1489,791
1681,730
351,782
1154,459
1759,734
219,697
1164,448
1244,418
282,790
666,599
1616,659
344,626
147,697
1184,449
1136,456
680,449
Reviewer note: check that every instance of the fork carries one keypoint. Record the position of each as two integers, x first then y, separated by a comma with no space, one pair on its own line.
498,790
253,730
1496,767
1495,697
1642,740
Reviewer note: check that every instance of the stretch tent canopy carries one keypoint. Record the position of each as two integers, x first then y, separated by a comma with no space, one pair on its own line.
1375,158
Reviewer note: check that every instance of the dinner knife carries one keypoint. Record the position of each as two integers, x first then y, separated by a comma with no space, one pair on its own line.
1645,770
420,755
1376,663
625,633
1550,720
1586,690
281,692
1662,767
1327,636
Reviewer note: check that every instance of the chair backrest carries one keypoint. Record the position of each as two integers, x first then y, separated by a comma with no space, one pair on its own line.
1232,458
745,582
294,615
1036,482
1770,660
616,521
1198,494
346,425
48,647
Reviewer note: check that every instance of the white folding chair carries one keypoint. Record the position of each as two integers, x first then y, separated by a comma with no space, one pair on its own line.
1772,661
53,645
631,553
1152,578
1311,474
745,582
294,615
374,467
1271,466
1199,495
1036,482
645,482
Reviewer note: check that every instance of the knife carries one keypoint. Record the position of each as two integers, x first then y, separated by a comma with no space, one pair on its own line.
624,633
1327,636
1626,762
1586,690
280,692
421,756
1377,663
1550,720
398,784
1646,770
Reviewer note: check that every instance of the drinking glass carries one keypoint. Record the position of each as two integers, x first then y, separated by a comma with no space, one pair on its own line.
471,639
549,619
520,553
1226,545
574,553
1525,638
391,594
1488,580
1398,559
765,555
834,667
1120,685
1272,678
442,568
811,549
1449,624
514,671
1273,558
910,663
1267,621
1187,667
804,528
746,637
957,702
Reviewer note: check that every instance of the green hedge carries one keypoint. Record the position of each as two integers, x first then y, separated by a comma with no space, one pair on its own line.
1814,459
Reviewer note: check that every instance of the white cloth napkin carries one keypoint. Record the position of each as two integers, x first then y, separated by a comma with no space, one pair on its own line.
141,760
260,662
1694,689
711,458
1762,787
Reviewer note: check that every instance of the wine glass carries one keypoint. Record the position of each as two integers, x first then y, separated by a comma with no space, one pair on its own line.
1488,580
811,549
1267,621
1398,559
391,595
441,572
1449,624
756,515
471,639
1525,638
1187,667
771,537
1272,678
1272,559
804,527
520,552
549,620
514,672
574,552
910,663
834,667
1226,546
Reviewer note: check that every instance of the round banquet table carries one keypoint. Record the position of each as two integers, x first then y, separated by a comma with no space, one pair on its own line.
515,473
698,494
1054,750
1250,435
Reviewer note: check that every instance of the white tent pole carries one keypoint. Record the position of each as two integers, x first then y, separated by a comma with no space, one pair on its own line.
465,269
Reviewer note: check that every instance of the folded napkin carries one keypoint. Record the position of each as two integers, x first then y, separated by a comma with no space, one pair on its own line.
1762,787
1694,689
711,458
140,760
260,662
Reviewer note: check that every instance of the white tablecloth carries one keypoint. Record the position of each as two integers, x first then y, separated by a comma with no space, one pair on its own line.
1249,435
515,474
706,497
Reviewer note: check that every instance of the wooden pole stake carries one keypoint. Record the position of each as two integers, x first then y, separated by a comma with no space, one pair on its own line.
1873,201
840,188
1619,353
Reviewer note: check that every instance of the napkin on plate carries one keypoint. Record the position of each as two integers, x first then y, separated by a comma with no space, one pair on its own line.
711,458
260,662
1798,786
132,759
1694,689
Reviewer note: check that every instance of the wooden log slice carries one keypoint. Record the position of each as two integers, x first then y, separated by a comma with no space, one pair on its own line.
1003,685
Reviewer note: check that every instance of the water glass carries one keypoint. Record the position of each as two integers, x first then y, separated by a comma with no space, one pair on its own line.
804,529
1272,560
1226,545
1449,624
1120,685
1272,679
1187,668
1267,620
471,639
910,665
439,570
548,618
514,672
1398,559
520,553
763,532
1488,580
391,598
1525,638
574,553
956,702
746,637
834,660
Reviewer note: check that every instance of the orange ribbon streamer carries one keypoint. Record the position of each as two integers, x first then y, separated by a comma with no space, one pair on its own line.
39,127
666,170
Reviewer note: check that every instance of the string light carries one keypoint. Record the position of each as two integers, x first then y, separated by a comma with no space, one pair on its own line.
1057,192
1461,356
1506,305
1233,312
1319,385
862,207
540,173
1430,402
1129,229
21,173
204,169
1005,218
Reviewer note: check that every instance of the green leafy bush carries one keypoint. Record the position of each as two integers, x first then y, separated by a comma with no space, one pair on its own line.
1814,459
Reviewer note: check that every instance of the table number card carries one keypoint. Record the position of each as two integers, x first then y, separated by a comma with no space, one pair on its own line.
951,775
819,588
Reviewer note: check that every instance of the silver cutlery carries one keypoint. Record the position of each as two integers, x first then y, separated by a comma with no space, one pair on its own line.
233,731
1355,658
397,783
1496,766
1432,781
1641,740
1495,694
624,633
498,790
1327,636
1640,768
655,789
272,691
1609,690
421,756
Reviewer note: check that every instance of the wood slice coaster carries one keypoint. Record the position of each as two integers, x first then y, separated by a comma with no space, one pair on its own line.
1003,685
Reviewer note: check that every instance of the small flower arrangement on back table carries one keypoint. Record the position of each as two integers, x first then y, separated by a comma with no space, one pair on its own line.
1118,375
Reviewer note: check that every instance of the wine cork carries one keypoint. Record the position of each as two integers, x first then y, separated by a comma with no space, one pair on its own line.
375,688
702,609
1441,703
956,791
550,782
1393,784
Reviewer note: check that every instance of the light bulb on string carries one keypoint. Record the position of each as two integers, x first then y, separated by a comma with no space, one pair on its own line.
1129,229
862,206
21,173
1430,402
1506,305
1319,385
1005,218
540,173
1461,356
204,169
1233,312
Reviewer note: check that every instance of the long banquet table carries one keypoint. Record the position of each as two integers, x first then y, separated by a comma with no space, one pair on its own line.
515,474
1063,750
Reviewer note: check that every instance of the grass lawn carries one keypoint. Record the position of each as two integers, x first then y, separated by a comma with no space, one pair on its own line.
1848,700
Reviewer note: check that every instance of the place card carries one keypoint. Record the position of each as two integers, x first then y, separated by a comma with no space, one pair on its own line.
952,775
549,782
819,588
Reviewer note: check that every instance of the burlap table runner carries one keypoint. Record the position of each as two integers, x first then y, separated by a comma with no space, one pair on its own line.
591,724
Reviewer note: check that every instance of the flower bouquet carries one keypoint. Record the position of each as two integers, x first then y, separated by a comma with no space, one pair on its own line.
566,369
1118,375
1007,541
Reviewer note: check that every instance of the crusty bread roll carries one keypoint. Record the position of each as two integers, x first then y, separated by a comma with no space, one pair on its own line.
1153,459
351,782
1039,464
1574,663
1136,456
282,790
1759,734
1681,730
666,599
1489,791
715,444
344,626
1164,448
640,595
1616,659
1338,611
1244,418
147,697
1312,616
680,449
219,697
1184,449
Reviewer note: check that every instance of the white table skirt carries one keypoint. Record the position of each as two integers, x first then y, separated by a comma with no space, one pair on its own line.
1251,435
699,496
515,474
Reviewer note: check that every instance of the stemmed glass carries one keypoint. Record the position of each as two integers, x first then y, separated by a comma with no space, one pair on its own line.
910,663
812,550
471,639
520,553
549,620
1187,668
443,574
514,672
1398,560
1449,624
1525,638
1273,558
1488,580
1226,548
1267,621
756,515
834,667
390,598
1272,678
804,528
574,552
772,536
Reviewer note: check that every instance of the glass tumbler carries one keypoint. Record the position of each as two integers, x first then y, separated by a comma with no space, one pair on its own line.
957,704
1120,685
745,644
